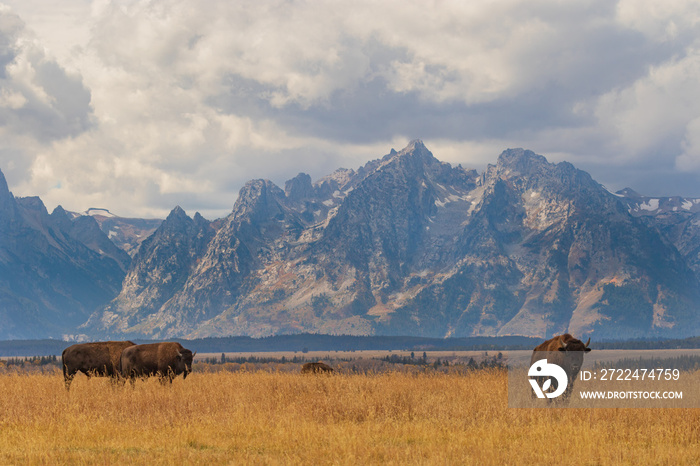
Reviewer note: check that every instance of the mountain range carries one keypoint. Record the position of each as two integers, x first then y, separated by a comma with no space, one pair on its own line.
405,245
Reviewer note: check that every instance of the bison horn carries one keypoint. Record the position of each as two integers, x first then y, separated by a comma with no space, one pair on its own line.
588,342
193,354
563,343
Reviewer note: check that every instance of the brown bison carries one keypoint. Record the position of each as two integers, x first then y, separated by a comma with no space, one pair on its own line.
165,360
316,368
98,359
566,352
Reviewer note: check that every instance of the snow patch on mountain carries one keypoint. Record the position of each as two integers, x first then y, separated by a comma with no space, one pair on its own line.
650,205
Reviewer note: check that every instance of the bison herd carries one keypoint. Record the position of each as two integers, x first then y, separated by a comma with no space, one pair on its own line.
126,360
121,360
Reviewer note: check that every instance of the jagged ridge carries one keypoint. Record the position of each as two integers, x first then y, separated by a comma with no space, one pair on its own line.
54,271
410,245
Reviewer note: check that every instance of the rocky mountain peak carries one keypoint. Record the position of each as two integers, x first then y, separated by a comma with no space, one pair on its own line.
339,180
33,211
4,189
415,145
629,192
32,203
413,162
415,150
176,215
6,199
60,212
198,219
527,171
258,198
521,160
60,217
299,188
176,221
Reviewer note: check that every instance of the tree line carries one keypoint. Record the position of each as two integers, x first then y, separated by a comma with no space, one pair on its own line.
316,342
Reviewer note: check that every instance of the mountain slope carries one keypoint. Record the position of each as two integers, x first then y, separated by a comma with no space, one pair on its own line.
548,251
126,233
410,245
53,271
676,218
159,270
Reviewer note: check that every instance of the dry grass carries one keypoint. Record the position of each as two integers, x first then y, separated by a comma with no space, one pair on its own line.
284,418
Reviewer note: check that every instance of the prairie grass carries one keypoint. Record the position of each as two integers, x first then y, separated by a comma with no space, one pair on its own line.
289,418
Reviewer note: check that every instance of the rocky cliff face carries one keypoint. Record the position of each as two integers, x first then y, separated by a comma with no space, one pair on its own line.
676,218
410,245
126,233
54,271
547,250
159,271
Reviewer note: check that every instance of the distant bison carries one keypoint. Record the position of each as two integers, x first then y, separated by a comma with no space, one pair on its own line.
98,359
165,360
316,368
566,352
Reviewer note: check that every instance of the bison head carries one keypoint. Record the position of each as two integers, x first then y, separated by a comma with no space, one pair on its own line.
184,362
574,350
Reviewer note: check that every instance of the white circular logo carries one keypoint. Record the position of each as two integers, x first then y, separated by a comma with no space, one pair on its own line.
542,369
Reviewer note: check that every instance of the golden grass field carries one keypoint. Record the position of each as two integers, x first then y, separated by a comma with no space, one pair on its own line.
289,418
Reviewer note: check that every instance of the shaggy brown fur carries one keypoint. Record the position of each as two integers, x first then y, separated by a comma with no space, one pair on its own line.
98,359
565,351
165,360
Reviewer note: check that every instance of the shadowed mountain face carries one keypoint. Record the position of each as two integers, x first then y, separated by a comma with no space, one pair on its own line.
54,270
126,233
410,245
676,218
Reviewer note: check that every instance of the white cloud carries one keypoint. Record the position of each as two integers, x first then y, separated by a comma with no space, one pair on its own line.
689,159
655,109
304,52
12,100
140,105
661,21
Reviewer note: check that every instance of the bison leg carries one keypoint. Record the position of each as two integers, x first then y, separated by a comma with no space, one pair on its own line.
569,389
67,379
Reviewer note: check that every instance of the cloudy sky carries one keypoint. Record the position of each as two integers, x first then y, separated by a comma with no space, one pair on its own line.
141,105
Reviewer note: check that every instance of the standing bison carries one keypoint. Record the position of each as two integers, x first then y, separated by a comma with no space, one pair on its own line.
566,352
165,360
98,359
316,368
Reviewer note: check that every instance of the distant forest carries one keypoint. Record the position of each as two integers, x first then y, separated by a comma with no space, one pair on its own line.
315,342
